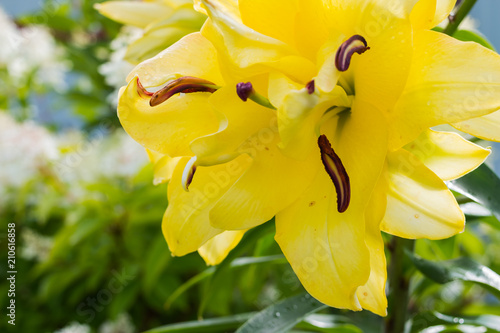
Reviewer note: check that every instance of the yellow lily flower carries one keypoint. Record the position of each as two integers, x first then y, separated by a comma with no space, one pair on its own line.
163,22
334,141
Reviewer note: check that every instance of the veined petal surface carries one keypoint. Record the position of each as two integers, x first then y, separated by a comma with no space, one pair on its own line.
419,205
186,225
447,154
426,14
135,13
181,59
271,183
371,295
327,249
169,127
485,127
441,91
216,249
238,121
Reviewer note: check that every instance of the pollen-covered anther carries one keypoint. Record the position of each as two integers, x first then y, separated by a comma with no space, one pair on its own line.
336,171
188,173
185,84
355,44
310,86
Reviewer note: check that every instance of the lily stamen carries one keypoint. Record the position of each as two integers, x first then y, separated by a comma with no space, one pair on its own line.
310,86
188,173
246,91
185,84
142,91
336,171
355,44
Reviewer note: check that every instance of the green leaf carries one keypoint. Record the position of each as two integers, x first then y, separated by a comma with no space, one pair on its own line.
463,269
250,238
328,324
469,36
430,319
239,262
482,185
208,325
157,259
282,316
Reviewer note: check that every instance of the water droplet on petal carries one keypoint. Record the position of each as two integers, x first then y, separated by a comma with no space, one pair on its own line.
277,314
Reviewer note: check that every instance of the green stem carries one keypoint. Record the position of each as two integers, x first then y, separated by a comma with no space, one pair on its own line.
399,283
461,13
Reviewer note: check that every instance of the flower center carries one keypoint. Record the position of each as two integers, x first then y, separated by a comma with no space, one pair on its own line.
355,44
336,171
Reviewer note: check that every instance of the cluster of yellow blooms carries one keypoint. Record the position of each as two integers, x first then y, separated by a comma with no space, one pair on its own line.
317,113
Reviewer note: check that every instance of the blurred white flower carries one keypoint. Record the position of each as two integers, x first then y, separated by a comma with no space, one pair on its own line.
25,149
31,50
35,246
122,324
75,327
9,38
115,71
99,156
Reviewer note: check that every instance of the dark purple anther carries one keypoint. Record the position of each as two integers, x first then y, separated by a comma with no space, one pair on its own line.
336,171
310,87
355,44
244,90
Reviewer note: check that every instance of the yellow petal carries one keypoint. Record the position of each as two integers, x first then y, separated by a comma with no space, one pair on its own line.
311,28
327,249
186,224
181,59
159,35
216,250
279,87
372,295
426,14
275,19
272,182
247,51
169,127
164,168
153,42
135,13
448,155
381,72
178,3
419,205
485,127
239,121
441,91
328,74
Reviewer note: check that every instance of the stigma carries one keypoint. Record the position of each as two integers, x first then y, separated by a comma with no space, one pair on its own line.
185,84
355,44
335,169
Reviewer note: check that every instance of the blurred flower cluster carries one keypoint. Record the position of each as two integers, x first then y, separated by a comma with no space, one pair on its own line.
29,57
